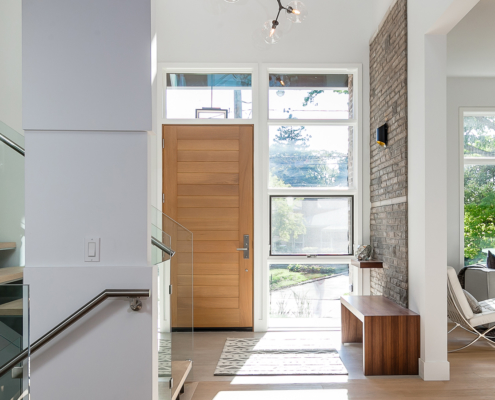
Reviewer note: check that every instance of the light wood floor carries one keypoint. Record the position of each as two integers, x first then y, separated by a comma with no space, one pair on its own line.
472,374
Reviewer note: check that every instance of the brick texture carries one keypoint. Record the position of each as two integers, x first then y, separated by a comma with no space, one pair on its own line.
388,167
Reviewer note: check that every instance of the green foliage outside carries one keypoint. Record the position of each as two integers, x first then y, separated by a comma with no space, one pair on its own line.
479,189
286,223
312,269
289,275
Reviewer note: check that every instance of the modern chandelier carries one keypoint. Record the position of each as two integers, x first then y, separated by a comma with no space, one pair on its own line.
296,12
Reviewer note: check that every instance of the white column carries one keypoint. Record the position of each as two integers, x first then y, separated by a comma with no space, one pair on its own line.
87,113
428,24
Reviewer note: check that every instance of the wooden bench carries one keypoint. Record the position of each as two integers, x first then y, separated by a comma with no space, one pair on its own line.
389,333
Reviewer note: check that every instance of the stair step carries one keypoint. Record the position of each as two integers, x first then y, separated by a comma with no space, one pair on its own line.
7,245
12,308
10,274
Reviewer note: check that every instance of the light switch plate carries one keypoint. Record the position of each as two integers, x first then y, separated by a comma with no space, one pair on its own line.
96,241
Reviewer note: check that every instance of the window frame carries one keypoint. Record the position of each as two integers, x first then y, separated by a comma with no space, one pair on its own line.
468,112
355,122
315,256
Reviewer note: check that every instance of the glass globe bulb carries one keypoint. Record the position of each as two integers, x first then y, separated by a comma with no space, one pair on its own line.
271,32
297,11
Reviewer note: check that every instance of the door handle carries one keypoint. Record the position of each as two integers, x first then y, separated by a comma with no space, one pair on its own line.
245,249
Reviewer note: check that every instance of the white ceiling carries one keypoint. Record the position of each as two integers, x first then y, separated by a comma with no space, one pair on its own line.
471,44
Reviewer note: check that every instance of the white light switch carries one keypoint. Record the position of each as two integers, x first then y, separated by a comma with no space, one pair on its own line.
92,249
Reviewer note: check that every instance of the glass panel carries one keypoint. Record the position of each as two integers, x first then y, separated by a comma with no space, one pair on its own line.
175,341
310,96
479,212
479,136
14,338
310,156
307,294
311,225
12,201
209,96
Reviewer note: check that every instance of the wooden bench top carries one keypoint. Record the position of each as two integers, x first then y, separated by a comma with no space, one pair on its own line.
374,306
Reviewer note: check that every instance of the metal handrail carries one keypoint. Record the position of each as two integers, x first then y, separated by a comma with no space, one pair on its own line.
106,294
162,247
13,145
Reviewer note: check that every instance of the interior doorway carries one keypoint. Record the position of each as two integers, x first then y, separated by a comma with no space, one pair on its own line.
208,188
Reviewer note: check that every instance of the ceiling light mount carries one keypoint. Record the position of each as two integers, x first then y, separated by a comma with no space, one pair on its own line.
296,13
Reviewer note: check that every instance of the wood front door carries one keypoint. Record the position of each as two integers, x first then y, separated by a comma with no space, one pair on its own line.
208,187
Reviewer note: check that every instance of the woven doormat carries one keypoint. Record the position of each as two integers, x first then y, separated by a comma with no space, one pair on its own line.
279,357
164,358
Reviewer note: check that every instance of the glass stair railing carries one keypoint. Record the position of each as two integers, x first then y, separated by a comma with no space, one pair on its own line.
14,340
175,297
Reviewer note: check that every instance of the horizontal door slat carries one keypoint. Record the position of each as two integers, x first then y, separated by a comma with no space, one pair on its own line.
222,167
208,291
205,145
213,246
207,156
211,318
207,213
211,224
213,302
207,178
216,132
210,235
208,201
210,269
208,190
208,280
216,258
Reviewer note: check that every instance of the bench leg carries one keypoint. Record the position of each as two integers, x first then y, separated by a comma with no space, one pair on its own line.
352,327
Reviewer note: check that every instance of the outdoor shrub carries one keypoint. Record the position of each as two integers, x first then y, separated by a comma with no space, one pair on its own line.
311,269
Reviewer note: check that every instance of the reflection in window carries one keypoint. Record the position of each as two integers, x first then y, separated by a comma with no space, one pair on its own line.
310,96
311,156
479,136
311,225
308,290
199,95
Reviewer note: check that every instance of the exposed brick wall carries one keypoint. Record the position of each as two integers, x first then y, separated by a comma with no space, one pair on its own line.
388,104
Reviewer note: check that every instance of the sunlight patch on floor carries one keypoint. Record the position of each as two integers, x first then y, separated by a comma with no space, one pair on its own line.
288,379
322,394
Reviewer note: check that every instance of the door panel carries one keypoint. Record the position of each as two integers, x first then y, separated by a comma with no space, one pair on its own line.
208,186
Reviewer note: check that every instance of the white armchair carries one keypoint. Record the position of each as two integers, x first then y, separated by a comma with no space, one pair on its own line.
480,282
460,312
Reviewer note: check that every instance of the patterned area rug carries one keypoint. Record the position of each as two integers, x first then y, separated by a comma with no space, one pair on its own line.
279,357
164,358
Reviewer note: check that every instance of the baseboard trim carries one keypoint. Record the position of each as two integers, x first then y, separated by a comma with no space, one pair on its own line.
434,370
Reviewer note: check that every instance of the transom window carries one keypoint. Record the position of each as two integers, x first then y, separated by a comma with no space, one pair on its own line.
209,96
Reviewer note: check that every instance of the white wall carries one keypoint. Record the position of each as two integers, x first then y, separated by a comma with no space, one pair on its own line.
462,92
105,66
87,107
11,63
471,48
